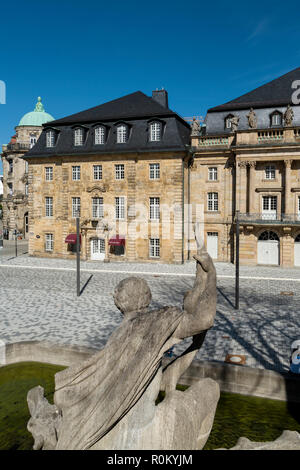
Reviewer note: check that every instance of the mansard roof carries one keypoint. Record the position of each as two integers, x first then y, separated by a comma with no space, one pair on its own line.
278,92
134,105
136,110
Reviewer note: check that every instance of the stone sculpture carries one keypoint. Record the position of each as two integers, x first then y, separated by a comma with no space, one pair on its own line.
289,440
195,127
108,401
288,116
235,123
252,119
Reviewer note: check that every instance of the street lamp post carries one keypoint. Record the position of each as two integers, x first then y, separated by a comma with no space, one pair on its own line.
237,261
78,252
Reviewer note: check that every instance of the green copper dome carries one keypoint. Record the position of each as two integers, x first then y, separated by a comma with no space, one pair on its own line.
36,117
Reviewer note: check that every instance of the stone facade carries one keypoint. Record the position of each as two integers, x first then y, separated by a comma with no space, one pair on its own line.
15,181
15,172
253,167
137,188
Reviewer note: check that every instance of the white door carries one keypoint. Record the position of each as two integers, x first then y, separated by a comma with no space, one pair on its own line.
212,244
297,251
268,248
97,249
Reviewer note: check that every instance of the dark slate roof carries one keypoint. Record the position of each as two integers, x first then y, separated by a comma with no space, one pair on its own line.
136,110
278,92
130,106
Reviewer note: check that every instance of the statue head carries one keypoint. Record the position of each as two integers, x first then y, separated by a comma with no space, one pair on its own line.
132,295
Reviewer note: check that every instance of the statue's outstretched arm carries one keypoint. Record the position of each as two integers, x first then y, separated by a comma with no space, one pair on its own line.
200,302
198,316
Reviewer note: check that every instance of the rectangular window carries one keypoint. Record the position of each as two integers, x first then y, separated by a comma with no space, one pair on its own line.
97,172
26,167
50,139
155,131
212,202
10,189
75,206
121,134
49,243
26,189
269,203
120,172
154,248
213,173
154,208
154,171
99,135
10,166
49,173
97,207
270,172
49,206
75,173
78,137
120,208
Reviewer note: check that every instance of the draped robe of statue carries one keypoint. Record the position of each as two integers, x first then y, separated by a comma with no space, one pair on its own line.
96,395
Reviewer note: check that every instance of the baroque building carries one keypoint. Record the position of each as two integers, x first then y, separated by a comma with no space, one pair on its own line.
247,164
15,171
122,168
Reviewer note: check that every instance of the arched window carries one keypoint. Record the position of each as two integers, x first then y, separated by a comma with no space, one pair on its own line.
155,131
268,235
276,118
122,134
32,140
297,239
99,135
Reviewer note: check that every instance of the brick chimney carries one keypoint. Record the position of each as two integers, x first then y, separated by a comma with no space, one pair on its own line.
161,97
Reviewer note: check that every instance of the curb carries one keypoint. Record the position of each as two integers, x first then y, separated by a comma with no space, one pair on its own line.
231,378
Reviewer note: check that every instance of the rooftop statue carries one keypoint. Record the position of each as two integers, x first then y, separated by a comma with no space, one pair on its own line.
196,129
252,119
108,401
235,123
288,116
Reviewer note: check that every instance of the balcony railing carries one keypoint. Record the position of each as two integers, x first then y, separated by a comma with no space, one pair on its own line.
265,218
267,136
19,146
212,141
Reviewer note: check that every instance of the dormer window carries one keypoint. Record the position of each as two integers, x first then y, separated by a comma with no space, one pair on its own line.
276,119
155,131
122,134
99,135
78,136
50,138
228,123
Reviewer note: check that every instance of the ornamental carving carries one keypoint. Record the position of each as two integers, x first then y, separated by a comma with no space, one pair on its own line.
288,163
242,164
101,189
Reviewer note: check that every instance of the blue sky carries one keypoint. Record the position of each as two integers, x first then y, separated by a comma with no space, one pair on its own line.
76,54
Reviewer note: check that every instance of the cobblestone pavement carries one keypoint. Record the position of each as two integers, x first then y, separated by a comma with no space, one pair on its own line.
38,302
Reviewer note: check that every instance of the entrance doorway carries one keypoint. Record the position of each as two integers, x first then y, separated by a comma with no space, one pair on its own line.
268,248
98,249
